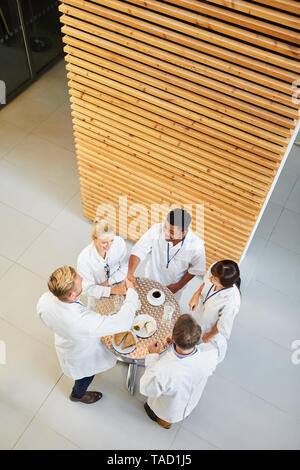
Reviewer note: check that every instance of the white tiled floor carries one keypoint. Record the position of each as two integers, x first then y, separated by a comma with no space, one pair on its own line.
252,401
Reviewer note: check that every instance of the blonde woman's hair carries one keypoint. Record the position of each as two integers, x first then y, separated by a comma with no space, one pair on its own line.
61,282
101,226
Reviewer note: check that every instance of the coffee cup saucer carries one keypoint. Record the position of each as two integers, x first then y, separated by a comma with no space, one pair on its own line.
156,302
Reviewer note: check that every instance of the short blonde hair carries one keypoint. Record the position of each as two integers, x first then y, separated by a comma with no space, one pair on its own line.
61,282
101,226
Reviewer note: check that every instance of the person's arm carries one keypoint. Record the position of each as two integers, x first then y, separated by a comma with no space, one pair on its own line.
226,318
152,382
117,289
180,284
134,261
89,287
121,272
220,343
197,265
207,337
193,303
94,325
139,252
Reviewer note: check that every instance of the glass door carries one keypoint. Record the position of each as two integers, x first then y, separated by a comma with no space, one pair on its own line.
30,41
14,66
43,28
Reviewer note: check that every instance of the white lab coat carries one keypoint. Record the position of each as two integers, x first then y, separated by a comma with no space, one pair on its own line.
221,308
174,385
90,266
77,333
190,257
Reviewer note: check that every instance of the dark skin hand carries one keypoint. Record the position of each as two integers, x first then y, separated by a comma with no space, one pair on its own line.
179,285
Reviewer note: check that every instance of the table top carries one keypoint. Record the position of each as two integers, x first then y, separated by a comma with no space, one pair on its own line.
106,305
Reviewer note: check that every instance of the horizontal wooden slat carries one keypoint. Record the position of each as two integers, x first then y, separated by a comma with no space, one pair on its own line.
223,27
143,108
174,103
182,102
220,101
253,8
188,152
143,188
136,154
104,15
200,104
241,20
175,54
199,33
285,5
230,210
191,168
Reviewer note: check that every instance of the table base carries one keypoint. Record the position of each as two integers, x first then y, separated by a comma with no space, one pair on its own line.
131,376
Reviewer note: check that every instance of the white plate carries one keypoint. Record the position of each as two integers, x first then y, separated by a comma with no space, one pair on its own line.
127,350
153,301
143,332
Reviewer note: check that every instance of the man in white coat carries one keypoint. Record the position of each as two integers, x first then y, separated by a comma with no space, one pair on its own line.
177,253
174,382
77,330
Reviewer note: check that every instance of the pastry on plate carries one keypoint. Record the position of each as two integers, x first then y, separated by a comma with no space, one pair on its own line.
118,337
129,341
150,327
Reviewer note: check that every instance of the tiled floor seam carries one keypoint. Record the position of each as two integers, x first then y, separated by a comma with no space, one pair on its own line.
182,426
271,233
41,119
35,415
26,333
270,403
18,142
63,208
22,167
253,278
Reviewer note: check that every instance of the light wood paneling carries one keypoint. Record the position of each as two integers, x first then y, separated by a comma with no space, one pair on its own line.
184,102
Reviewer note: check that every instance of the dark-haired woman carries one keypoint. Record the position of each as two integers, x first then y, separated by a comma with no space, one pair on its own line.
216,303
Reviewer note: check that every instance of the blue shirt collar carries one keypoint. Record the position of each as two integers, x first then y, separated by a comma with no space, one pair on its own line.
182,356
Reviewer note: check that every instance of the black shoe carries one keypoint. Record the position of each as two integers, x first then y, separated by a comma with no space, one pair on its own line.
88,397
150,413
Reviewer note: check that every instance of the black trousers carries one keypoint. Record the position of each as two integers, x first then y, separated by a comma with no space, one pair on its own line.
80,386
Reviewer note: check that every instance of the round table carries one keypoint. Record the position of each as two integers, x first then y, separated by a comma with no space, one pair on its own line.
105,306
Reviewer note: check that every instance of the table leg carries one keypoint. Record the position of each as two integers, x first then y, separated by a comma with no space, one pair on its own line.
131,375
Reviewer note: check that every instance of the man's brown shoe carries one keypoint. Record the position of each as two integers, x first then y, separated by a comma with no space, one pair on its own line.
88,397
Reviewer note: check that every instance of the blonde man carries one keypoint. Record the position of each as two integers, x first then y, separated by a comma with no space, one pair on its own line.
103,262
77,330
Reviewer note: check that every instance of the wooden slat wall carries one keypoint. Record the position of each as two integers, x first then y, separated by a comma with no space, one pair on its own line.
184,102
